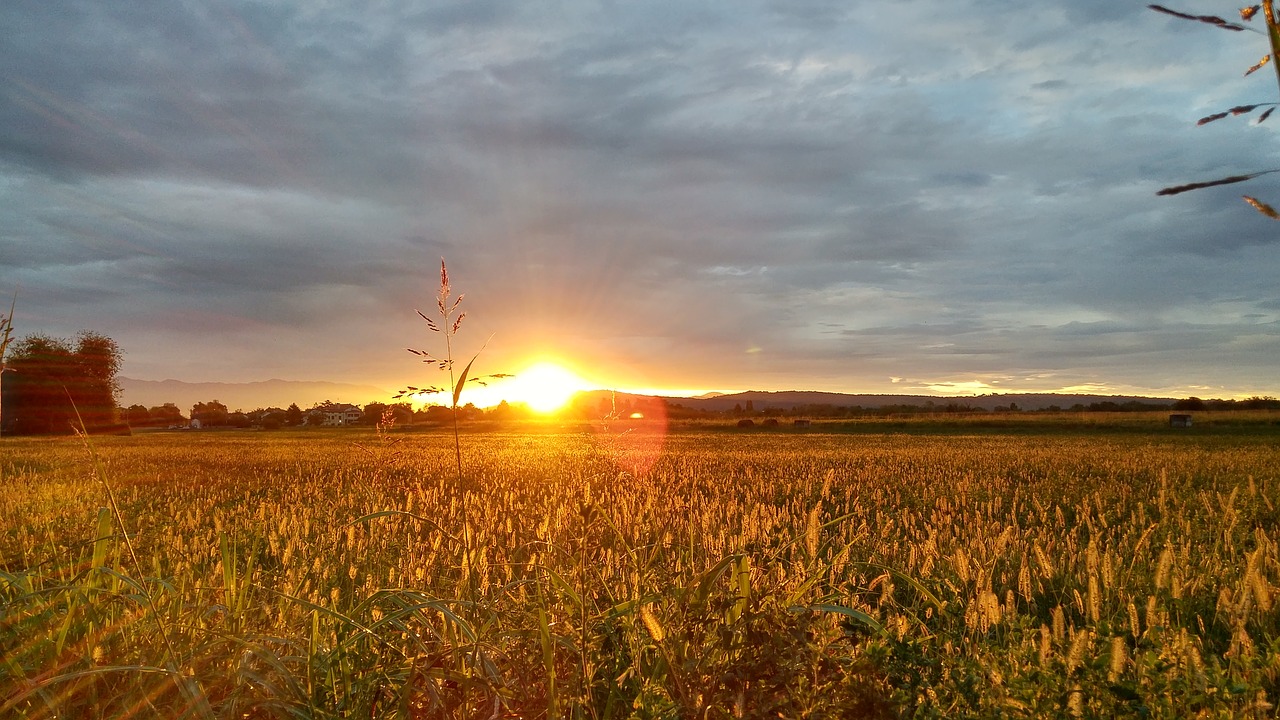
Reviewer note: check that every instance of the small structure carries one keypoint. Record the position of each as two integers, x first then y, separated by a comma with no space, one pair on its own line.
746,422
803,423
770,422
1179,420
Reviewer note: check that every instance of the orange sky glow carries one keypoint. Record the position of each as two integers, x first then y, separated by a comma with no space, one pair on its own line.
545,385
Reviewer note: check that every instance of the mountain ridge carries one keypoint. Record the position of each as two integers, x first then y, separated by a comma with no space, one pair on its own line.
280,393
787,399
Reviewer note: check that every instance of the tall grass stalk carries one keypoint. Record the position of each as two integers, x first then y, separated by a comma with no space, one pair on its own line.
448,322
1273,35
1272,32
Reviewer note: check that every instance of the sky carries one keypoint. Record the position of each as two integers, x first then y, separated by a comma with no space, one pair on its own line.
857,196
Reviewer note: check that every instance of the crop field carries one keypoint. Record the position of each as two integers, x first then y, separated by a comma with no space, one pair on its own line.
947,571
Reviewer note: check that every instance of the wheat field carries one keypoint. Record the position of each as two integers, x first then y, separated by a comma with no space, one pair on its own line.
705,574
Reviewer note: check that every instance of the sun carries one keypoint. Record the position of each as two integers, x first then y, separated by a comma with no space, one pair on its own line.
545,387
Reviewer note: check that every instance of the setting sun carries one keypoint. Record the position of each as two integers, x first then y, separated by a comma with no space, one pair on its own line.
544,387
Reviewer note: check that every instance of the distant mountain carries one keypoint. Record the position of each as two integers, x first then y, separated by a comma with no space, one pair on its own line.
246,396
280,393
791,398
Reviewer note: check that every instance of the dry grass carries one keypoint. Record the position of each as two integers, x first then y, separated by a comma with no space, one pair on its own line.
816,575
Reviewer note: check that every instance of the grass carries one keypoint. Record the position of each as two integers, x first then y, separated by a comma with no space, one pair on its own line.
1272,32
735,574
1156,424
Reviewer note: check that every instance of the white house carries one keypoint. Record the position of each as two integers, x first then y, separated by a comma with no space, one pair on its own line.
342,415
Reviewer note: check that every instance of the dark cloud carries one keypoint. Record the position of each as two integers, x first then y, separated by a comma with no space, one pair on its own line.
705,196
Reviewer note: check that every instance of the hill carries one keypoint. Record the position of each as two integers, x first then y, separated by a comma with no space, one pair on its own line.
786,400
280,393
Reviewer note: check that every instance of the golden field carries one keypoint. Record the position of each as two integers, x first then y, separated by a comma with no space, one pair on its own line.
1051,569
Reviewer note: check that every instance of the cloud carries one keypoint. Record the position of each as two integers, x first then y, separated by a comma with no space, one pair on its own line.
859,191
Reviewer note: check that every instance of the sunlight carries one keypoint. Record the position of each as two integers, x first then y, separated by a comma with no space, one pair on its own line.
962,387
545,387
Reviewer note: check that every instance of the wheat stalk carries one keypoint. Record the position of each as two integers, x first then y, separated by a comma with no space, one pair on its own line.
1179,189
1207,19
1273,38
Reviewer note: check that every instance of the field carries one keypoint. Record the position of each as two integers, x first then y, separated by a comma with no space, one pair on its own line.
984,568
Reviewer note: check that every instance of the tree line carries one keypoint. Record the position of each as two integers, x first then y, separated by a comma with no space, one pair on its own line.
215,414
959,407
54,385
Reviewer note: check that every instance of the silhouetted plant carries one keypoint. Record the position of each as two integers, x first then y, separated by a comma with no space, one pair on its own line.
1247,14
448,325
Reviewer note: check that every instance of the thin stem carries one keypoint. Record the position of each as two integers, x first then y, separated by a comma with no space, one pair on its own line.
468,553
453,389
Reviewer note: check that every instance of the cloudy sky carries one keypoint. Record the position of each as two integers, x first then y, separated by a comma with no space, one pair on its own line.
850,195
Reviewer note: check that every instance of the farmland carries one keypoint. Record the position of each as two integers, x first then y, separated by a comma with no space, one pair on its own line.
930,569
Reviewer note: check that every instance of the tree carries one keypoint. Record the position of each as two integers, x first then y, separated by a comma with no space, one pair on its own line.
293,415
138,416
210,414
437,414
501,412
1191,403
1247,14
54,386
402,413
166,415
1265,402
372,413
6,335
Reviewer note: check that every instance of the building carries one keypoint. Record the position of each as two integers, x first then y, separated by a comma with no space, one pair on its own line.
342,414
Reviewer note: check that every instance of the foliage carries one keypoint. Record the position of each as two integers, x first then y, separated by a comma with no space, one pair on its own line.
6,336
6,330
53,386
166,415
210,414
1099,574
1247,14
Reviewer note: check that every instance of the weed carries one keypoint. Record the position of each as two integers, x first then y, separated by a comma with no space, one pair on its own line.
450,322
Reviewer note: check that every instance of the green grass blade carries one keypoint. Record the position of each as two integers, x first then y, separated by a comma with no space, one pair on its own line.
857,615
